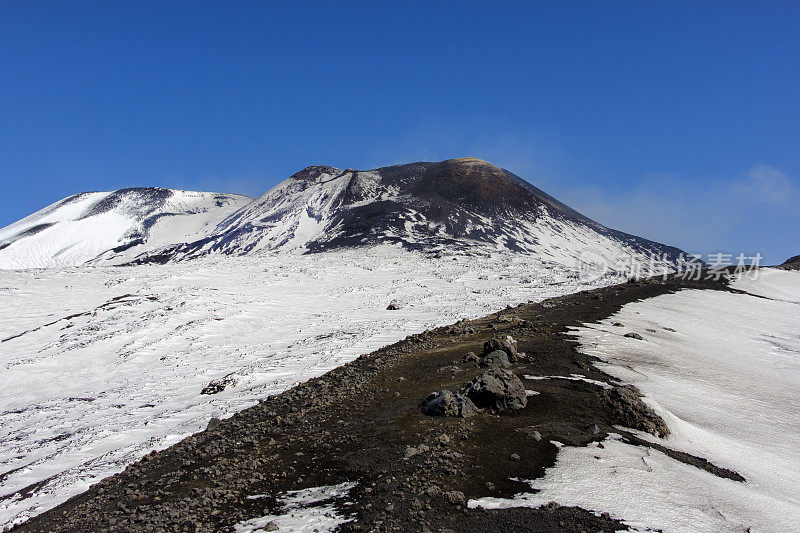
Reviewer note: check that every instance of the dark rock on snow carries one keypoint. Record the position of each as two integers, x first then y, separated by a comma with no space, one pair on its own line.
626,403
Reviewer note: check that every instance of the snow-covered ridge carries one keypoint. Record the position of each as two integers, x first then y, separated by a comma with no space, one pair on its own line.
97,226
459,204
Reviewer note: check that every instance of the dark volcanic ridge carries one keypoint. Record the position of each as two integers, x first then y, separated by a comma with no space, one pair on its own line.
793,263
458,205
362,424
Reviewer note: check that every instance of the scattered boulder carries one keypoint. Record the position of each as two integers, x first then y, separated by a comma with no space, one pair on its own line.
433,491
530,432
504,343
450,369
218,385
628,408
496,359
411,451
496,389
447,403
634,336
394,305
470,358
456,497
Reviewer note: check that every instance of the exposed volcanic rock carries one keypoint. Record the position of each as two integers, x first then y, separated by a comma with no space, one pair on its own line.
503,343
458,204
626,402
497,389
465,205
495,359
793,263
446,403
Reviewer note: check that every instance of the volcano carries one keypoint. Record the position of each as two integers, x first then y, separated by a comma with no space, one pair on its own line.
458,205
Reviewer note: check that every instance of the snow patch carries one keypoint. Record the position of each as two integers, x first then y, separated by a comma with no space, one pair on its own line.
303,511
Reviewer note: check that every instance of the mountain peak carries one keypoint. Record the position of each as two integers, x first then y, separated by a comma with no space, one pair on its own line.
464,204
469,161
314,172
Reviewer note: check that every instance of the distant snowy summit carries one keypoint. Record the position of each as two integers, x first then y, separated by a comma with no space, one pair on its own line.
97,227
460,205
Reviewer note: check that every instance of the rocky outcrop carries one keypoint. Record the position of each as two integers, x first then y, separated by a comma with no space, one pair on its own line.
793,263
497,389
505,343
496,359
447,403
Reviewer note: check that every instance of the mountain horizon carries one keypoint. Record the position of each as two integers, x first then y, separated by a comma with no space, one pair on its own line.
465,204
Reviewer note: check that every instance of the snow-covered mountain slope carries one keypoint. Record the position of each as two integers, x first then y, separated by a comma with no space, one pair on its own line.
460,204
100,365
465,204
723,371
104,226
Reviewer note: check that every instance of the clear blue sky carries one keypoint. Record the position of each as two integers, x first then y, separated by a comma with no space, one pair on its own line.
678,121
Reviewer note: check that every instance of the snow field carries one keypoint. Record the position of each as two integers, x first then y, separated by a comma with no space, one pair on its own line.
723,370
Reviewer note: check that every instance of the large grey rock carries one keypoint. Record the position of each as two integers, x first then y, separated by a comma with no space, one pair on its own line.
496,359
447,403
496,389
505,343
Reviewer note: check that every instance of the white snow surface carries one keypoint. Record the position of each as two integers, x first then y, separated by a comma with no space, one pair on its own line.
78,229
100,365
771,283
727,382
303,511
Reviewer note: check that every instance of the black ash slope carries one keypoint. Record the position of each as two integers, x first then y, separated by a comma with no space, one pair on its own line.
454,204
